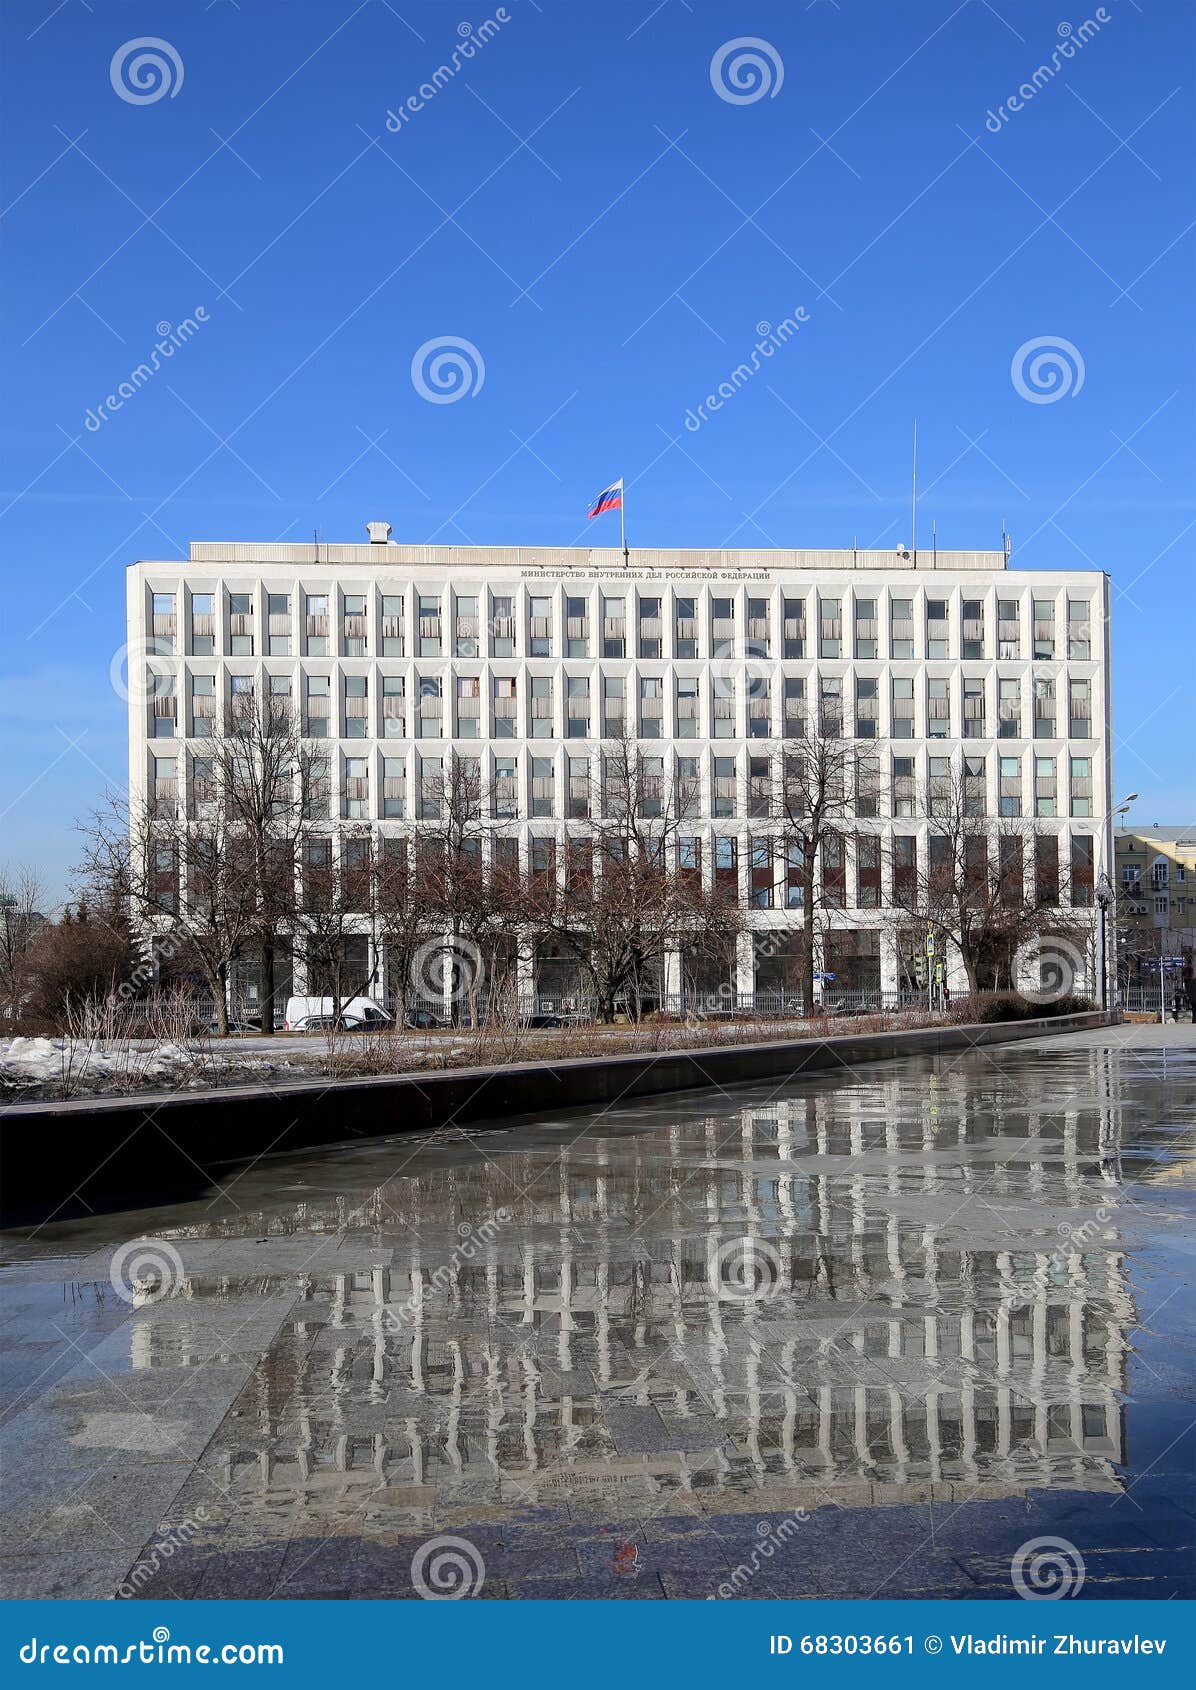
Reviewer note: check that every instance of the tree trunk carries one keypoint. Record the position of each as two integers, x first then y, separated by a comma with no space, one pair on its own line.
807,961
221,1000
267,993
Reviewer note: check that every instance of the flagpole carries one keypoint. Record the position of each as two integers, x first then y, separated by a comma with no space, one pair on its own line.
623,520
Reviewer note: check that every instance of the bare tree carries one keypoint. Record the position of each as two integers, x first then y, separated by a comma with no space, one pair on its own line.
22,891
627,896
826,782
336,909
970,885
271,782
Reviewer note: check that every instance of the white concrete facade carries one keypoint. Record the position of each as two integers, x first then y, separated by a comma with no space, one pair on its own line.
402,656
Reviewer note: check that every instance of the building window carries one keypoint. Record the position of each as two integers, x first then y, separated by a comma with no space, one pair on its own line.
830,628
759,787
1081,786
614,699
867,856
1009,635
651,634
1079,629
901,628
278,623
1044,707
722,627
937,641
904,789
317,708
577,628
540,627
240,622
903,707
540,702
394,788
724,786
203,706
973,708
757,628
203,625
1044,628
972,640
866,645
506,789
1079,709
795,627
429,717
393,628
316,614
429,626
431,788
357,706
1010,796
651,706
614,627
502,626
761,876
394,708
794,726
467,636
542,786
726,865
355,625
577,723
469,707
1009,707
938,707
579,788
1083,870
505,702
1044,787
357,789
685,628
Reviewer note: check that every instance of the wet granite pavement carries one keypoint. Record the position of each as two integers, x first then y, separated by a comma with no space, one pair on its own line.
855,1335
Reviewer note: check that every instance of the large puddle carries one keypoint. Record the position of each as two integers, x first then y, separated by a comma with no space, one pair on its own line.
927,1310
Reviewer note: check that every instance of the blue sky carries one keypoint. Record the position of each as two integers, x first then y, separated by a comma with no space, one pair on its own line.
583,206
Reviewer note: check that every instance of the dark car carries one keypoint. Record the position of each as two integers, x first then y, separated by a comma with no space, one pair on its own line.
424,1020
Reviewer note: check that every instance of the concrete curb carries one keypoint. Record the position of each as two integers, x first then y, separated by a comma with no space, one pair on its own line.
59,1160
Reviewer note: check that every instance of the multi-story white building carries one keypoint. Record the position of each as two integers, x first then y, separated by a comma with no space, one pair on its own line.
400,657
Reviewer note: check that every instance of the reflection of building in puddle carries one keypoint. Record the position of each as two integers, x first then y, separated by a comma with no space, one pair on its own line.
945,1306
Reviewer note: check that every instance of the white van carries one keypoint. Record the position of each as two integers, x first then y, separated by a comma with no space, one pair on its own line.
355,1014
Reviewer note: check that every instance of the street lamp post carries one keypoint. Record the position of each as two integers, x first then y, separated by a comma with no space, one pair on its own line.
1104,897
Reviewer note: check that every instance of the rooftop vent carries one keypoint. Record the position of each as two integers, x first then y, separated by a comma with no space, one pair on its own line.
379,532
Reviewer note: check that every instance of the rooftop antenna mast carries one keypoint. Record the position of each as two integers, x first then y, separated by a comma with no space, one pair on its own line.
913,515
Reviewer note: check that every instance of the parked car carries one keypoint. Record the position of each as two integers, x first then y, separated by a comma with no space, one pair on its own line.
424,1020
315,1015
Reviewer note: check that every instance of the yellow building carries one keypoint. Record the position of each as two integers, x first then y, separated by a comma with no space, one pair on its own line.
1156,902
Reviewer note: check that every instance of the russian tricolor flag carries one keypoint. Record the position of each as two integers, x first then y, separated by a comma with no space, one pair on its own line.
610,498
